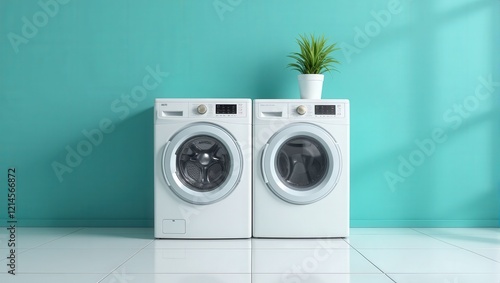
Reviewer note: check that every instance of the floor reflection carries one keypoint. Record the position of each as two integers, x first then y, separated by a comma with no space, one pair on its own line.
299,260
209,261
256,260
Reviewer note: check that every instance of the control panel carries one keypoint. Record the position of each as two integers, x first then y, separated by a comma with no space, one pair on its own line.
316,110
299,109
218,110
201,110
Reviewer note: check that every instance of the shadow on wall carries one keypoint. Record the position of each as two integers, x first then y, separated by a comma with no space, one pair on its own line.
425,90
115,181
495,162
416,195
274,81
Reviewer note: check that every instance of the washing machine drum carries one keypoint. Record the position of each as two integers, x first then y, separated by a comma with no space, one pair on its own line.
202,163
301,163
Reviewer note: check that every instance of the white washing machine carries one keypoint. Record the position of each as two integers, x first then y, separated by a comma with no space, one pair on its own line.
301,168
202,168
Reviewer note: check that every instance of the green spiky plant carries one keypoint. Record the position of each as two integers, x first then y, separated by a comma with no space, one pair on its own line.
314,55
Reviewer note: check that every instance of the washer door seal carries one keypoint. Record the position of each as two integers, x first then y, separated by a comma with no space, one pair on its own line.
202,163
301,163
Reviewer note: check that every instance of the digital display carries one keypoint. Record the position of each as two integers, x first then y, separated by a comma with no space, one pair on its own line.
324,110
226,109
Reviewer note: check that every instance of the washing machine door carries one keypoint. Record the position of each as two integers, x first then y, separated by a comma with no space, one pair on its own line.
202,163
301,163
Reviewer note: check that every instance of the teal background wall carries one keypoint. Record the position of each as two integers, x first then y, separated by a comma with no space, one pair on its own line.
422,76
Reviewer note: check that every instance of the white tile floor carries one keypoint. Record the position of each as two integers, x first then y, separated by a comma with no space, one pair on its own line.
127,255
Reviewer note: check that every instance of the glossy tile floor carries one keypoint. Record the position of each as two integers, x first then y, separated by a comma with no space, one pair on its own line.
126,255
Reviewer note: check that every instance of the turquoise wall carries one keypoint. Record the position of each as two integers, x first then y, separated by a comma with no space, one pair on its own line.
422,76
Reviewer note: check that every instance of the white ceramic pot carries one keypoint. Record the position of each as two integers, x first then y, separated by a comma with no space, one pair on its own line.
311,85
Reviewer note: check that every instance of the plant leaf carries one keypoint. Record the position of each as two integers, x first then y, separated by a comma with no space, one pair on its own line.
314,56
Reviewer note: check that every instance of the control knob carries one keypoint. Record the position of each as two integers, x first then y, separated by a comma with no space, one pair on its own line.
301,110
202,109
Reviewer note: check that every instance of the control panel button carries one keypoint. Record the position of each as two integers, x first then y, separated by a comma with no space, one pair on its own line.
301,110
202,109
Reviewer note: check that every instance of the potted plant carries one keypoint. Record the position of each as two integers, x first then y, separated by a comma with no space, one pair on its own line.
312,61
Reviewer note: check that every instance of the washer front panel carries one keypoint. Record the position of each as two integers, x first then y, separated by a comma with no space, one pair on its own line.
202,163
301,163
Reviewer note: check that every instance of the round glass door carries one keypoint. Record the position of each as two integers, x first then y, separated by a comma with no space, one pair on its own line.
202,163
301,163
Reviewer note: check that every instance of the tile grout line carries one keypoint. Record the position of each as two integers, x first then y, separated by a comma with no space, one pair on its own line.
370,261
38,246
125,261
65,235
462,248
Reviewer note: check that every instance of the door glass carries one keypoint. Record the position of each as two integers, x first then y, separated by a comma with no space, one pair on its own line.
203,163
301,163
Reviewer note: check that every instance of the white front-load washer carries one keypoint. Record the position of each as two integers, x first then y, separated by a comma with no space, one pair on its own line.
202,168
301,168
